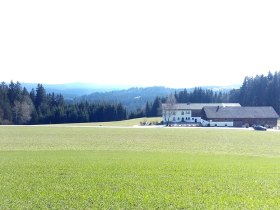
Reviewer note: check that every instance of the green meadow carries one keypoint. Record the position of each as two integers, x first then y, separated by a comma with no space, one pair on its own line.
130,122
138,168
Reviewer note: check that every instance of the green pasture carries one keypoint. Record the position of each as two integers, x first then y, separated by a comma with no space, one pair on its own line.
138,168
131,122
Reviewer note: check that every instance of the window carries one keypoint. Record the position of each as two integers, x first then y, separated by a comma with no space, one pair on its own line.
174,119
178,118
182,113
174,113
226,125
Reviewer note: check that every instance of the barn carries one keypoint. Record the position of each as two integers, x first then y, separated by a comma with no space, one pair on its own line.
240,116
218,114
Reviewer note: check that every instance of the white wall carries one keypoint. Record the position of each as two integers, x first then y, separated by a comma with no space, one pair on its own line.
177,115
221,124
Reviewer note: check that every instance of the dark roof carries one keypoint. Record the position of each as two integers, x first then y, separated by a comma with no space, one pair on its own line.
240,112
193,106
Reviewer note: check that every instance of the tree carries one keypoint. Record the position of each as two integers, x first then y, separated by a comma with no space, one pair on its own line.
5,105
168,109
155,110
23,111
121,112
33,95
148,112
14,92
1,116
41,96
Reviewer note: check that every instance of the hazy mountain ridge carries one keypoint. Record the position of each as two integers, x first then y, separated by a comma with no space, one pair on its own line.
132,98
136,98
73,90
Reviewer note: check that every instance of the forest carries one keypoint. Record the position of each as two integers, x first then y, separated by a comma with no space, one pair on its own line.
260,90
19,106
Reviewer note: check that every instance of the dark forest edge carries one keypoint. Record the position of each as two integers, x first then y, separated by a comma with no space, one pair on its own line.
19,106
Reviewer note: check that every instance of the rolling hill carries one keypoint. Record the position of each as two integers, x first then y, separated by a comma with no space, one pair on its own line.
132,98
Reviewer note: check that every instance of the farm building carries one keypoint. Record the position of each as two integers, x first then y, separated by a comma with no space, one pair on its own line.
218,114
189,112
239,116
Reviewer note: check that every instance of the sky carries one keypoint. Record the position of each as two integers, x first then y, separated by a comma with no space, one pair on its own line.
138,43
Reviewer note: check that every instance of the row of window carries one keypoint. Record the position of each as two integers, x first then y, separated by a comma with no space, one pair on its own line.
217,125
187,118
182,113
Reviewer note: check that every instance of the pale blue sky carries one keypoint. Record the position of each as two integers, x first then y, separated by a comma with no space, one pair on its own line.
138,43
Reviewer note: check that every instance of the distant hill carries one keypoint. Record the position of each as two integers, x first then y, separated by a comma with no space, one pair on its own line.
73,90
136,98
222,88
132,98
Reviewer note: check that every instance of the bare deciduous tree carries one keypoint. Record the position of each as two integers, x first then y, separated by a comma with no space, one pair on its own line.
22,111
168,108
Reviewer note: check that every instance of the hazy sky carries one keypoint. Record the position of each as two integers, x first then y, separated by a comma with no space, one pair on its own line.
171,43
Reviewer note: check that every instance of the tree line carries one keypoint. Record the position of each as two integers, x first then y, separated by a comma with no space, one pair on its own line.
200,95
260,90
18,106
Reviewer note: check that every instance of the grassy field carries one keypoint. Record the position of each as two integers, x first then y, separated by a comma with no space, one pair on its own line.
131,122
133,168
